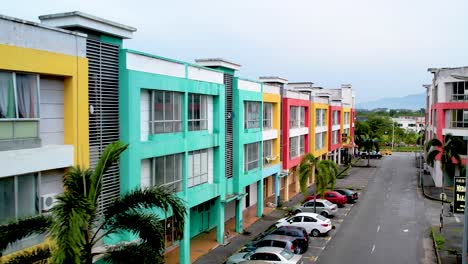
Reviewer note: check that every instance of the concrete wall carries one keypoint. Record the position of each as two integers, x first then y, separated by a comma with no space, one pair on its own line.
51,111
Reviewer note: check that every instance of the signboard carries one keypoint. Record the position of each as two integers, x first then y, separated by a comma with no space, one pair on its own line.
459,195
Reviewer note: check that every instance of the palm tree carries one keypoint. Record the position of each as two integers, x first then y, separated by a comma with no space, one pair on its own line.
322,178
332,173
367,142
78,228
448,152
17,230
306,170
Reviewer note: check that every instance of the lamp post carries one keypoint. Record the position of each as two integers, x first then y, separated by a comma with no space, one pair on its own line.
393,133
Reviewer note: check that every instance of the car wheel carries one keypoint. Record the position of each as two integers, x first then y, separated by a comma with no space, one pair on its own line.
297,250
315,233
324,214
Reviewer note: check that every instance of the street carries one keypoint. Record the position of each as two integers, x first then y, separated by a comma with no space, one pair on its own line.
388,223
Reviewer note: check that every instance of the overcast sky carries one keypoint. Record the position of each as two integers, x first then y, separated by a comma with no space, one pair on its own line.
382,48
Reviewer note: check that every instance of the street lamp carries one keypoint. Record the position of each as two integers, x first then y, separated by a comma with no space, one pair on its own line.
393,133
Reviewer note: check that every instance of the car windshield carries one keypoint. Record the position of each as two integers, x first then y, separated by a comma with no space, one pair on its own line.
321,218
327,203
247,256
287,254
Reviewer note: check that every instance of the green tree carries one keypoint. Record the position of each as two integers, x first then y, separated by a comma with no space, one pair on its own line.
326,172
449,154
367,142
306,170
333,173
17,230
77,228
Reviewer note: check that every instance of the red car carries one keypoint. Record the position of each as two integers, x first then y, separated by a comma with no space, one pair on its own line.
332,196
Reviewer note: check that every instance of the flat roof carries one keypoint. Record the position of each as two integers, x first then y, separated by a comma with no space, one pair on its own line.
218,62
273,79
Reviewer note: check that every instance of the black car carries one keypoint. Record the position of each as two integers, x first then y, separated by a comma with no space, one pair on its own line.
279,241
372,155
297,232
351,196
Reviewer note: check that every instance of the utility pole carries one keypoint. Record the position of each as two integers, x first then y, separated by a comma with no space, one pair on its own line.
393,134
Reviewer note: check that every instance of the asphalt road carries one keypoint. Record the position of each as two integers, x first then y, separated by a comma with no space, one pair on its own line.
388,224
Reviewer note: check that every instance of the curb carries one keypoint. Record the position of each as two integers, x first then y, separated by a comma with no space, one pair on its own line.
435,246
347,168
421,185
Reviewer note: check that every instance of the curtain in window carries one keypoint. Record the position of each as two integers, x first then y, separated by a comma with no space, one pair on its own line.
26,92
7,96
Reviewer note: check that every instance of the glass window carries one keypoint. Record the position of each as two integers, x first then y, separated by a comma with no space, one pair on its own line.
301,144
296,219
302,116
251,114
19,105
18,197
167,171
309,219
251,156
293,117
166,112
267,152
197,112
198,167
293,147
318,141
267,115
287,254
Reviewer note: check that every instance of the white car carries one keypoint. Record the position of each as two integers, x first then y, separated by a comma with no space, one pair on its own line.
266,254
314,224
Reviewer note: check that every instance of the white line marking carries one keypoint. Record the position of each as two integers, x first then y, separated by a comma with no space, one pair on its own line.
378,228
457,219
405,230
373,248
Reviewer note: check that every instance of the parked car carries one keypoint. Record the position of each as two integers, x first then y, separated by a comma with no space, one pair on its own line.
297,232
279,241
268,254
313,223
372,155
351,196
331,196
322,207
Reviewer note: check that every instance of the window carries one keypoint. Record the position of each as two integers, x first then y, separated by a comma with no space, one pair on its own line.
324,139
167,171
18,197
320,115
318,141
166,112
197,112
296,219
296,116
309,219
293,147
267,152
301,144
267,115
335,135
198,167
460,118
251,156
252,114
336,118
346,118
170,231
459,91
19,105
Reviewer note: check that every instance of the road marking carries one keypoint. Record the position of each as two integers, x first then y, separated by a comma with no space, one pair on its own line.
457,219
378,228
313,258
328,238
405,230
373,248
322,248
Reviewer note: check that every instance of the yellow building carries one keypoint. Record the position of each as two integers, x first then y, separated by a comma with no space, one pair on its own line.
43,116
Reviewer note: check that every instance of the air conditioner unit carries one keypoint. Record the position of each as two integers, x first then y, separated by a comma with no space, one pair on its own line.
48,201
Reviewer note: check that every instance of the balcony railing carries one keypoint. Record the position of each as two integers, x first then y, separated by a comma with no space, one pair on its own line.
459,97
459,124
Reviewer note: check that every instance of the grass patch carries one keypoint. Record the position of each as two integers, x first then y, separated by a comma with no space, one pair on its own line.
439,239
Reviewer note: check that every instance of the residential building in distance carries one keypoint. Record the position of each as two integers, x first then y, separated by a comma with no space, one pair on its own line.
410,123
447,110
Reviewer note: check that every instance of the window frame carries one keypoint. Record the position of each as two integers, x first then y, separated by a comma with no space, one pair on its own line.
176,184
252,119
267,145
293,147
203,175
175,124
268,115
249,164
302,141
16,120
203,121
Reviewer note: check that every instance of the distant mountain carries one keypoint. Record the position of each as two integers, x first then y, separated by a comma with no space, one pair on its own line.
413,102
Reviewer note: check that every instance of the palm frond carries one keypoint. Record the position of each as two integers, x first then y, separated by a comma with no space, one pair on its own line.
431,156
151,197
17,230
146,225
322,177
109,156
39,255
433,143
306,168
71,218
77,180
134,253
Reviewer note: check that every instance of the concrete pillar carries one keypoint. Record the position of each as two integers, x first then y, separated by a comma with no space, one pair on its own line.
184,256
339,156
220,222
239,217
260,200
277,188
286,189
